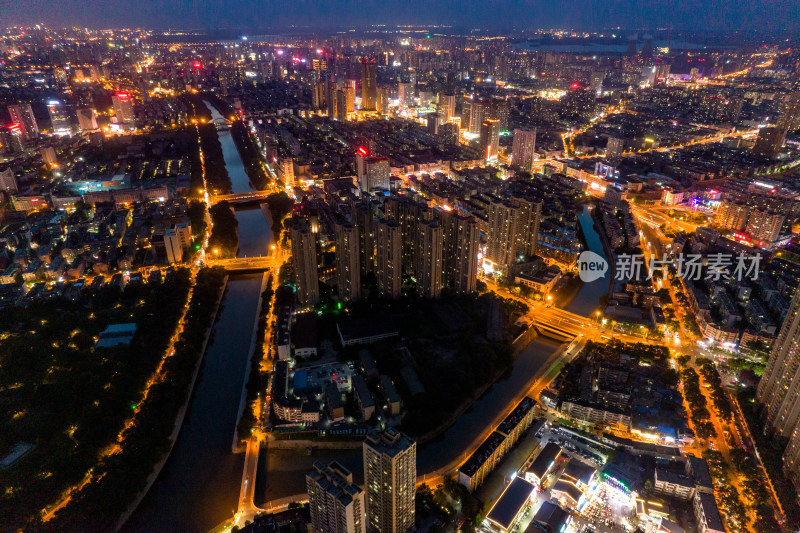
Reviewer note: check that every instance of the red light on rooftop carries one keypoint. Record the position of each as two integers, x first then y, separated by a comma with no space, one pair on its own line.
363,151
197,64
576,85
123,96
14,126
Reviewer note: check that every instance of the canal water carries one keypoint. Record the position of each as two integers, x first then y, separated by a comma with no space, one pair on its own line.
588,298
199,485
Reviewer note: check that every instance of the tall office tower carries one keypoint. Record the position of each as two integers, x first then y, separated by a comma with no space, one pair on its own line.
87,119
447,106
490,138
22,114
523,149
499,109
383,100
11,139
764,226
433,122
335,503
123,109
319,95
408,213
779,389
304,257
59,117
789,118
390,481
361,214
331,100
341,105
429,248
614,148
369,89
348,270
389,261
732,215
460,243
769,141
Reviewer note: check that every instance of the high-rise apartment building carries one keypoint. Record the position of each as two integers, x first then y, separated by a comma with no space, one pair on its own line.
373,173
383,101
389,266
331,99
8,182
460,242
348,270
490,138
447,106
59,117
407,213
336,504
341,105
764,227
304,257
369,88
614,148
513,230
22,114
523,149
732,215
405,94
87,119
390,481
362,216
123,109
779,390
789,117
11,139
769,141
319,95
428,256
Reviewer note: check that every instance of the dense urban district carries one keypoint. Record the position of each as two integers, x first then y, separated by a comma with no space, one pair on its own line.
398,279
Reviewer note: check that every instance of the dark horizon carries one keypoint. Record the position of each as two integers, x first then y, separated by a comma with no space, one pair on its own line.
718,17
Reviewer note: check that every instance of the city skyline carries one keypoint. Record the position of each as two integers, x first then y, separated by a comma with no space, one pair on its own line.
714,17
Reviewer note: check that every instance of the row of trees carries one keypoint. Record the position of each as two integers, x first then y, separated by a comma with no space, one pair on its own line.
257,380
721,403
120,477
224,239
701,417
770,451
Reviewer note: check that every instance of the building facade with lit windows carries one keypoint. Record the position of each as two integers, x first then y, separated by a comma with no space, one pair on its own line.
390,481
336,504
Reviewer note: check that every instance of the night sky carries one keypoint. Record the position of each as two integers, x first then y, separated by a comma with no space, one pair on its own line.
715,16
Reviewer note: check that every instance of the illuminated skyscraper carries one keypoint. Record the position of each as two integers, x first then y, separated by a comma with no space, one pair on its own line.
331,100
335,503
407,213
428,255
59,117
789,118
348,271
11,139
22,114
390,481
304,257
341,105
389,267
490,138
123,109
523,149
361,214
369,88
614,148
319,95
405,94
383,100
513,230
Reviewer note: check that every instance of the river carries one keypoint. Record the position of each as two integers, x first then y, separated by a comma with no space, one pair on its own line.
199,485
588,297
